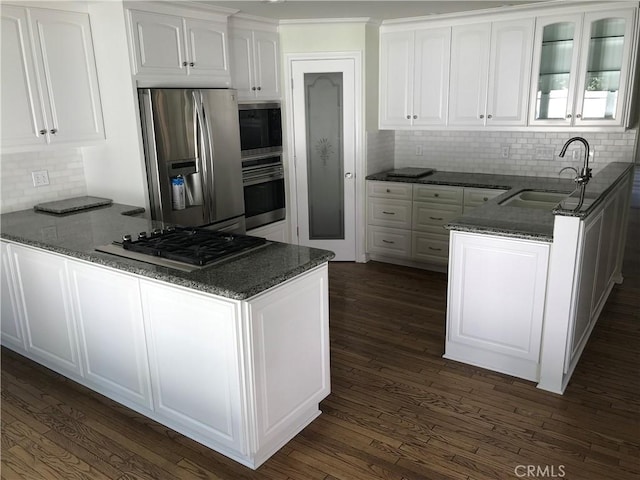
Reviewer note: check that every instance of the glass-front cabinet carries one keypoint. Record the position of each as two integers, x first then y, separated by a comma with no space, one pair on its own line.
581,69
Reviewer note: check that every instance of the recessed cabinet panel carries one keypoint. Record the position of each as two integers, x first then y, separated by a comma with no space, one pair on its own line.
44,298
67,62
469,69
158,43
267,64
510,70
431,76
396,79
207,42
389,213
22,115
255,63
11,324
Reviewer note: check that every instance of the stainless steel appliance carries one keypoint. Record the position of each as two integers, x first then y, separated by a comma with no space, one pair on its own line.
260,128
192,150
264,199
183,248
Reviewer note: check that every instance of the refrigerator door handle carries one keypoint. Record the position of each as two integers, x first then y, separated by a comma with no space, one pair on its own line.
153,177
204,155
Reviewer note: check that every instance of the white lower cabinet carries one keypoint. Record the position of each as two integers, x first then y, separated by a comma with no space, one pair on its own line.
241,377
111,333
193,343
11,326
44,299
496,299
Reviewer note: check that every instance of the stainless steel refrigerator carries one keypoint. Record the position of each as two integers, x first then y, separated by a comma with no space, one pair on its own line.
192,155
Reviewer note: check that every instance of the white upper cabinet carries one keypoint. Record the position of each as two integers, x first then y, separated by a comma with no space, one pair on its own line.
581,69
490,71
50,94
604,68
172,46
255,63
414,77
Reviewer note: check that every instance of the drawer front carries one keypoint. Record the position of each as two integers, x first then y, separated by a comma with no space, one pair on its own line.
474,197
389,241
427,218
395,190
442,195
389,213
431,248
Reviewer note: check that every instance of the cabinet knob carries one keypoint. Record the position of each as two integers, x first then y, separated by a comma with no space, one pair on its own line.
408,117
568,115
259,88
481,116
436,194
184,64
253,88
192,64
388,191
578,115
485,199
415,116
43,131
53,131
489,116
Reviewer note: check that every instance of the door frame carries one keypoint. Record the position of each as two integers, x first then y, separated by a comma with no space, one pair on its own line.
359,160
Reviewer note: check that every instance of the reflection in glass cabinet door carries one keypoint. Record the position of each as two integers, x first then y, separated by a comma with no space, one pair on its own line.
604,64
552,97
604,68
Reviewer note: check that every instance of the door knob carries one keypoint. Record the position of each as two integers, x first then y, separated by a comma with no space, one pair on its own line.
348,175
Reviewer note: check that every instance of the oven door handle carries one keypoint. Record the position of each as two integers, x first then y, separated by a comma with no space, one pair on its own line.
248,181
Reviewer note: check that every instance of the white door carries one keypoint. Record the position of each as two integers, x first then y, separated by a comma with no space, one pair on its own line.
325,125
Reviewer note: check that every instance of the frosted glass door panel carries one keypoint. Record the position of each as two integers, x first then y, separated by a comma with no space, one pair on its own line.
555,71
323,97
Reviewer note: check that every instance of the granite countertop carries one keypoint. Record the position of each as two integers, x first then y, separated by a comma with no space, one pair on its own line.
511,221
77,236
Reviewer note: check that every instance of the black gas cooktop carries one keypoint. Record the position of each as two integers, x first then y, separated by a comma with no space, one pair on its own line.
195,246
183,248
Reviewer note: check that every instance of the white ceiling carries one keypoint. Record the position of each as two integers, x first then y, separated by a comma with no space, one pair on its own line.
376,9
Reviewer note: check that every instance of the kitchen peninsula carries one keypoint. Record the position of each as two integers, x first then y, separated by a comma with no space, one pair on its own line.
530,267
234,355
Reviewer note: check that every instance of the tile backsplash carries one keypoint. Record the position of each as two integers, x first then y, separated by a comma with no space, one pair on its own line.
380,151
528,153
66,178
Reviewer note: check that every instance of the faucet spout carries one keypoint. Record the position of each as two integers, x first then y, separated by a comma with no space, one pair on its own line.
585,173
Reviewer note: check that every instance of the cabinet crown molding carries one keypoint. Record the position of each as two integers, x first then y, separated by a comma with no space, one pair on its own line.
183,9
554,7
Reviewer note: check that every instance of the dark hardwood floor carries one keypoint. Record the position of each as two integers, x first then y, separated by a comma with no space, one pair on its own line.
397,410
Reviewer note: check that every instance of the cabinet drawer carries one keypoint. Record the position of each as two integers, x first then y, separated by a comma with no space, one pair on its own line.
389,213
389,241
474,197
431,248
438,194
430,218
398,191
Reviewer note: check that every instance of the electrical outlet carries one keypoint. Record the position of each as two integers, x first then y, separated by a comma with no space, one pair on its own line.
418,150
504,151
40,178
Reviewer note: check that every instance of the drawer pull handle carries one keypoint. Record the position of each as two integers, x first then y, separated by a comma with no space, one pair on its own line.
387,241
436,249
388,213
436,218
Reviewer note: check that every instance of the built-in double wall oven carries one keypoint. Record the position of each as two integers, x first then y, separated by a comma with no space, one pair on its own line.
262,168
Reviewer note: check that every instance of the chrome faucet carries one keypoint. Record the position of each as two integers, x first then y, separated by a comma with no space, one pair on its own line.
585,174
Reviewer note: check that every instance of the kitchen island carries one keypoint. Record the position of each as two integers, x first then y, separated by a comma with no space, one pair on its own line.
530,268
234,356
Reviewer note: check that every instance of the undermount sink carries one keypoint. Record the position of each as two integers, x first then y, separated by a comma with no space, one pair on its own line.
541,199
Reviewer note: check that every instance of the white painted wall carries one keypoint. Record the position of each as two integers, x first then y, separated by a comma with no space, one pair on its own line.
115,169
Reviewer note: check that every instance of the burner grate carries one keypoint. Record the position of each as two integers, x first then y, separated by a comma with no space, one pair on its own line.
196,246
